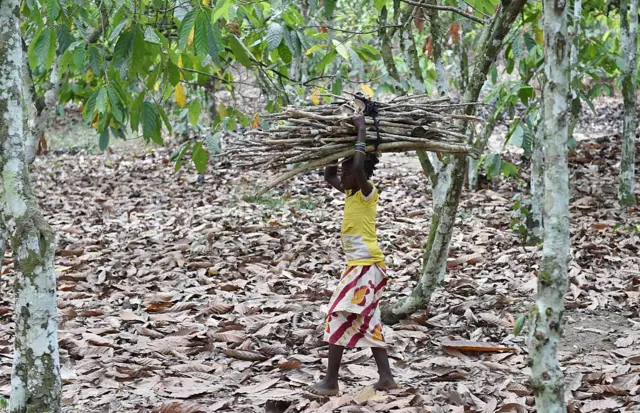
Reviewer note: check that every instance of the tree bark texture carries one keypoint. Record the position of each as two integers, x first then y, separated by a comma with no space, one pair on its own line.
576,106
629,72
35,380
454,174
537,177
546,316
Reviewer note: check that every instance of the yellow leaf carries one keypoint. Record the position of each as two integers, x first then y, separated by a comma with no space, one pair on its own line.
191,35
180,61
96,119
179,96
539,35
367,90
88,77
256,122
156,87
315,98
205,2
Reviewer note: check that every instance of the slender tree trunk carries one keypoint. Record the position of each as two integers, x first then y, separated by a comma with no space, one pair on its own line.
537,177
442,223
629,34
546,316
385,49
35,380
576,106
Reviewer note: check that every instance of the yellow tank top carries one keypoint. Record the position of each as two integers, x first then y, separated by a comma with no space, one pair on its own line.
359,239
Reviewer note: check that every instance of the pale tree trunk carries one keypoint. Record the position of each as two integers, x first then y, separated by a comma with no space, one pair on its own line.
35,380
537,177
629,34
431,165
546,316
576,106
443,218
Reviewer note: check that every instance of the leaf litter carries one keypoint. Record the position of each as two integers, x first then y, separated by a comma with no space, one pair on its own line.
176,297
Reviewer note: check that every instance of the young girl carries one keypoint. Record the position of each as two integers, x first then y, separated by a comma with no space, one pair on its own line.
353,319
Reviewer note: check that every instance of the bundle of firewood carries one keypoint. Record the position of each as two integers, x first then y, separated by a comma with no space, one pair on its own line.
317,136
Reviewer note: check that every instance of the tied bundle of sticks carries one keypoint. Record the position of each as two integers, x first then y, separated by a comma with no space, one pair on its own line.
317,136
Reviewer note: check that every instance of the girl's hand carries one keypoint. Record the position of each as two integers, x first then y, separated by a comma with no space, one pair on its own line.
358,121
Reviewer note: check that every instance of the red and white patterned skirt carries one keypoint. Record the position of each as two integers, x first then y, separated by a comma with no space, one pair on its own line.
353,319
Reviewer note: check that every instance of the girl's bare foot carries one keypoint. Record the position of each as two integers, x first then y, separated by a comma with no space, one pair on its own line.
385,383
324,388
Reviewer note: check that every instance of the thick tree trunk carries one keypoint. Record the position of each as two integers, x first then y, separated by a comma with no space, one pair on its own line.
442,223
629,34
547,313
35,381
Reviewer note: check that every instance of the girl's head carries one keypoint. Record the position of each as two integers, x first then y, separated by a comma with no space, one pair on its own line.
347,176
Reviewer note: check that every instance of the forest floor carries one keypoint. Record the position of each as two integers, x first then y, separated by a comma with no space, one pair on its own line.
177,296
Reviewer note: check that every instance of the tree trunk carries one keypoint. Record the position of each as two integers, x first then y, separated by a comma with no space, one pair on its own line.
576,106
547,313
537,177
629,72
35,380
454,173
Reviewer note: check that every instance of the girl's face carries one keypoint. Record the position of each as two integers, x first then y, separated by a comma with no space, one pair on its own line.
347,177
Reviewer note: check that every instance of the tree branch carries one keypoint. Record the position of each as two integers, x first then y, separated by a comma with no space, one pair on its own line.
445,8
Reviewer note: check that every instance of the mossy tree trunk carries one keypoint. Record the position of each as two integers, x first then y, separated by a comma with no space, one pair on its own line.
546,316
629,72
537,177
452,176
35,381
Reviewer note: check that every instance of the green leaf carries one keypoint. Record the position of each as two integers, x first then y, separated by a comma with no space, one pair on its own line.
329,7
45,48
379,4
240,51
326,60
165,118
96,60
174,74
509,169
185,28
90,106
200,36
525,93
214,41
79,58
116,104
285,53
200,157
342,50
137,62
179,154
53,10
101,100
65,39
123,49
517,136
136,112
221,8
64,62
150,124
517,327
104,139
293,42
494,164
194,112
275,34
117,30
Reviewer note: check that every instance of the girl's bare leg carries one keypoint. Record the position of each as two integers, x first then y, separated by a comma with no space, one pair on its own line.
386,381
329,386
